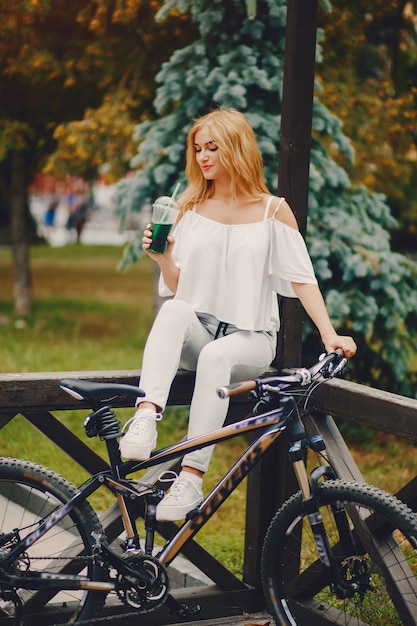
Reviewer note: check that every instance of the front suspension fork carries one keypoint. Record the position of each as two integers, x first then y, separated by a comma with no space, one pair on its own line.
309,486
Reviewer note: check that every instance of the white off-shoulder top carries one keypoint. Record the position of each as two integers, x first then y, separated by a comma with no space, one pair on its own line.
234,271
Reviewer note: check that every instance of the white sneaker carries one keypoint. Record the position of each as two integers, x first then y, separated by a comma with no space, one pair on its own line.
140,439
185,494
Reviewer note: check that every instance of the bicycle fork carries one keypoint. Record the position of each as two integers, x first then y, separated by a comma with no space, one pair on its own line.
309,486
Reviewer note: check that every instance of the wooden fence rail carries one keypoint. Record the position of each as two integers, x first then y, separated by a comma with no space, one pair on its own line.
36,396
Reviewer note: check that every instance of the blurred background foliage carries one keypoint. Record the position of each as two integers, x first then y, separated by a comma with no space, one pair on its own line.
369,80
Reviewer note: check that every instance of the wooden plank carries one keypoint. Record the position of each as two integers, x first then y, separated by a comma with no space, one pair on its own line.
40,390
368,406
320,614
6,417
65,439
214,604
408,494
336,448
342,399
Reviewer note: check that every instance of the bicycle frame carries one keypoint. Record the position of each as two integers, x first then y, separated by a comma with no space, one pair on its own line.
271,425
267,426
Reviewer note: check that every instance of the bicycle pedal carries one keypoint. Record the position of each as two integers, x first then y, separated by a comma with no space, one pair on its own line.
181,609
192,514
191,611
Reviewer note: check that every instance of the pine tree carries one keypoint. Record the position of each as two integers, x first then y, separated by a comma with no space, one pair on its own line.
237,61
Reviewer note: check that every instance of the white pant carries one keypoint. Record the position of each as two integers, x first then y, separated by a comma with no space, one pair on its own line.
180,338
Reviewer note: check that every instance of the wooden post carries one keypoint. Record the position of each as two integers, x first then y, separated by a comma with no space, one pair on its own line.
294,153
271,482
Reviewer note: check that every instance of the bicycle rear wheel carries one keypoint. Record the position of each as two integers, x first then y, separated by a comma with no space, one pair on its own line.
29,493
380,573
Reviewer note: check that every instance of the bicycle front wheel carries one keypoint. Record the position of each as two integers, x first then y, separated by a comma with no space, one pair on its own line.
29,493
378,570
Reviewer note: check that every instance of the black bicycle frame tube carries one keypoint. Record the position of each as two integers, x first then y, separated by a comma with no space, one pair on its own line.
168,453
178,450
220,493
213,501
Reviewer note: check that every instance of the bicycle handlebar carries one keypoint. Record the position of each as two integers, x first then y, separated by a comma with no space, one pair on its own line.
328,366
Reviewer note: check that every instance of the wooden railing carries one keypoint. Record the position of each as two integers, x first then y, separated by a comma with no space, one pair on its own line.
36,396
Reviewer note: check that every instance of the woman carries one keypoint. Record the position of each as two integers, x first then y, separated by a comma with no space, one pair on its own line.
235,247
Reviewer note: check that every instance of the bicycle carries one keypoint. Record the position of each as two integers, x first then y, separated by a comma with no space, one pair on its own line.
344,550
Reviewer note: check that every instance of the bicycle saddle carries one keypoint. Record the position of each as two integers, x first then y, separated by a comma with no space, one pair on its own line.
87,390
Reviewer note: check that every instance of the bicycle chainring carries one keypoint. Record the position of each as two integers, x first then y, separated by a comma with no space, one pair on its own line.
152,596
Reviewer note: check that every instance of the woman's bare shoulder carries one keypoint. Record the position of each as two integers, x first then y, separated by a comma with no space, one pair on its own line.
281,211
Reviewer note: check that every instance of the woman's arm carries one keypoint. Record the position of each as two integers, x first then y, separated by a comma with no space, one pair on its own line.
312,300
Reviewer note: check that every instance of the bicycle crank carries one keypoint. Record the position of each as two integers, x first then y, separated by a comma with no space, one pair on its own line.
137,593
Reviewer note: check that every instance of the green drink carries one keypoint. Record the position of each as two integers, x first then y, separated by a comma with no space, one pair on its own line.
164,216
160,233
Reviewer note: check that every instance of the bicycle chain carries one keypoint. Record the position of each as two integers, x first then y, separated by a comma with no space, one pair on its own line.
97,619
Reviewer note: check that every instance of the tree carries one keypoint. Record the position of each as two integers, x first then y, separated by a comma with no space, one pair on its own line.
369,79
102,142
58,59
237,61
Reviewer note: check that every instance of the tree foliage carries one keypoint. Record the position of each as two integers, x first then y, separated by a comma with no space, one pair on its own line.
101,142
369,79
90,60
57,59
237,61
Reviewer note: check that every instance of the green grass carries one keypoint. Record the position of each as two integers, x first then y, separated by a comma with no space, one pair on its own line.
89,316
86,314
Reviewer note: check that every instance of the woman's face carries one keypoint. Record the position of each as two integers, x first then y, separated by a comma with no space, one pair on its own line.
207,155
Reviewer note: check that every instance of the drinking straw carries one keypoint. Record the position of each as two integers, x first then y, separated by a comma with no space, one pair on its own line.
171,200
174,193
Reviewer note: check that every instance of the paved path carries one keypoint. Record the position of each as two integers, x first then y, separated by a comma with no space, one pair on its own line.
101,228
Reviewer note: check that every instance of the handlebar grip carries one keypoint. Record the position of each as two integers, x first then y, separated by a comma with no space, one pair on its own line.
236,388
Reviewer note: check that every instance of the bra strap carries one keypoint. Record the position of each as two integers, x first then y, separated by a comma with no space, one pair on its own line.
268,204
281,200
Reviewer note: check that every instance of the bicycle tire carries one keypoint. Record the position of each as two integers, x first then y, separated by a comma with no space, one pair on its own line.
297,592
28,493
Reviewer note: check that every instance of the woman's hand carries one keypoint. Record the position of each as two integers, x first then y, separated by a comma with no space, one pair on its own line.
169,270
332,341
147,240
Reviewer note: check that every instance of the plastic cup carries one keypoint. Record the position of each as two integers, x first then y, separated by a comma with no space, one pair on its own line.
164,216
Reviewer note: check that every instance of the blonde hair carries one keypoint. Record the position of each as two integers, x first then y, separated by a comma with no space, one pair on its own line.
238,151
